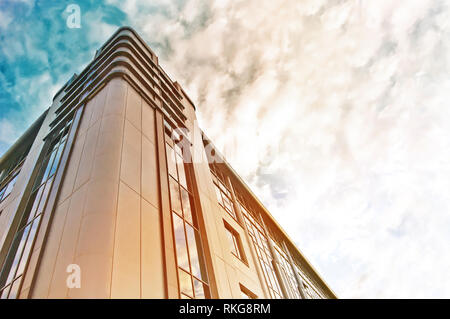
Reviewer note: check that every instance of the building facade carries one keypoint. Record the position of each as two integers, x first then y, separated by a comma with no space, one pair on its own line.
115,192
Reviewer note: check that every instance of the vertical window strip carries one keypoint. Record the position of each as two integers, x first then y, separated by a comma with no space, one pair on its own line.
7,189
287,272
13,168
223,193
235,245
11,275
253,223
308,287
262,251
292,285
192,276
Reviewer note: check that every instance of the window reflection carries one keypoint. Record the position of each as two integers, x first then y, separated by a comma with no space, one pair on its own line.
175,196
185,198
180,241
193,251
199,289
193,280
7,189
222,192
185,283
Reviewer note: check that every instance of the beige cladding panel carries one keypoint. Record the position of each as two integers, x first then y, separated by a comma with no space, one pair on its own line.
67,245
222,279
46,270
87,157
152,268
126,260
108,221
97,230
9,207
149,178
148,122
72,167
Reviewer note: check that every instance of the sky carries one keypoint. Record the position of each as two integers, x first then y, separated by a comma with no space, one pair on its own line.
334,112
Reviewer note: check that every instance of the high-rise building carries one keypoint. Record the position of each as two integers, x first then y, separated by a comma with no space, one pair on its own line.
115,192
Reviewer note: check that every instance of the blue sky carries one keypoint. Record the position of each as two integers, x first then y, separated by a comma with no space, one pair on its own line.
39,53
341,108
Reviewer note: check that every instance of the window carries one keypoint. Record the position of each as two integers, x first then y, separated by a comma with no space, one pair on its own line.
235,242
13,165
260,242
309,289
223,193
310,293
7,189
246,293
13,269
192,275
287,272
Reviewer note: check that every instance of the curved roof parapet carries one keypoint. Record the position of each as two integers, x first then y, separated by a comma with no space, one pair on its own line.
137,63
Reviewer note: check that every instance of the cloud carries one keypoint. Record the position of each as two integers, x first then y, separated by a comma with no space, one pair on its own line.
341,108
5,20
7,130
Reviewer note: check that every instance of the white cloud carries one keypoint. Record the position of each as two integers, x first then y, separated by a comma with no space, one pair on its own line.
5,20
7,131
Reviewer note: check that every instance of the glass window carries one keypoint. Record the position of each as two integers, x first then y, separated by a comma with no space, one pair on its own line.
235,242
222,192
259,240
19,252
192,277
218,193
171,165
34,201
7,189
48,166
225,201
186,200
175,196
181,172
185,283
180,242
56,161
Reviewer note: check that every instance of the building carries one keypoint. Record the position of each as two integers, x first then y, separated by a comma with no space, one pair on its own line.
115,192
